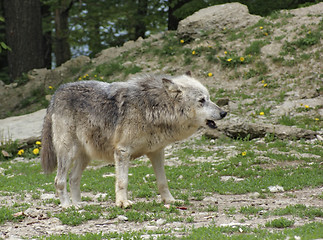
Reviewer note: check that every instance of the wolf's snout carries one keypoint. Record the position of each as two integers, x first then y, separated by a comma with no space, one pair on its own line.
223,114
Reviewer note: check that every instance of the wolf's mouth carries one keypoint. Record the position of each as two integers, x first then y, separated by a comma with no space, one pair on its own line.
211,124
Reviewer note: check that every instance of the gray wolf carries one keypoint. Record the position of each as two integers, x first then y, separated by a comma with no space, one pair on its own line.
119,122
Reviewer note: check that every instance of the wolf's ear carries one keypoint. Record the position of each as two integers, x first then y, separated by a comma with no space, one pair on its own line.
171,88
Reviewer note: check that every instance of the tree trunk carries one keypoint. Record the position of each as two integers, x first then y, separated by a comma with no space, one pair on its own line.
23,36
47,36
62,47
172,19
140,25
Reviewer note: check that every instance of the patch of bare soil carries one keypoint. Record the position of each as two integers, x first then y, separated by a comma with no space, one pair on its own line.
37,223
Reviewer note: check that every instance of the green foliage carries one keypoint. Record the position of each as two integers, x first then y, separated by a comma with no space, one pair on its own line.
254,48
280,223
10,147
74,217
231,59
300,210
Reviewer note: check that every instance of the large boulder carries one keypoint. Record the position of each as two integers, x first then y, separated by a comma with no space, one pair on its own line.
216,18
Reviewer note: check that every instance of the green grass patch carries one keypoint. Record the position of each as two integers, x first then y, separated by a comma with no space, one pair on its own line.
280,223
74,217
299,210
308,231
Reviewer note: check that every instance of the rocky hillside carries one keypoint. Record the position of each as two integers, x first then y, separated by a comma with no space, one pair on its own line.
262,70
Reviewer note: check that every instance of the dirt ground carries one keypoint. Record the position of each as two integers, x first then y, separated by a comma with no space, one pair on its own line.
37,223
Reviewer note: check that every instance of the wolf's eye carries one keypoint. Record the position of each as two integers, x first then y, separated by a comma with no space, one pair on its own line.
202,100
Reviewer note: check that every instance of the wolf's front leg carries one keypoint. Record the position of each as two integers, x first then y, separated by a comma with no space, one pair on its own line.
157,160
122,158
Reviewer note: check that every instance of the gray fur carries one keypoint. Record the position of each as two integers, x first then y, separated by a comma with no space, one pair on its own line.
119,122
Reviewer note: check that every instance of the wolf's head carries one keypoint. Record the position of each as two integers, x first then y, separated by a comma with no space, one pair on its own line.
192,94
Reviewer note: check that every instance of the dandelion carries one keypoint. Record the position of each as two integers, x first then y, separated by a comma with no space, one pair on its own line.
50,87
193,52
229,60
224,28
95,75
225,52
265,85
80,78
210,74
266,34
182,41
241,59
38,142
261,113
261,28
36,151
307,107
262,81
316,119
20,152
244,153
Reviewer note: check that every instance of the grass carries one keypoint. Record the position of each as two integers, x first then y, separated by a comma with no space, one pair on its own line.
190,180
280,223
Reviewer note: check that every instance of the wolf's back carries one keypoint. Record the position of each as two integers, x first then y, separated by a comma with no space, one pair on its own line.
48,154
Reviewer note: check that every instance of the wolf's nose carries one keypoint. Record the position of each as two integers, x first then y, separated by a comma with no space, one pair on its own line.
223,114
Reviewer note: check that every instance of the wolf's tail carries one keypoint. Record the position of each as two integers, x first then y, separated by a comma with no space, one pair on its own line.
48,154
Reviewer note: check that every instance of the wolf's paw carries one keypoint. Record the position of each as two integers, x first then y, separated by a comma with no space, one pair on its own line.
169,200
124,203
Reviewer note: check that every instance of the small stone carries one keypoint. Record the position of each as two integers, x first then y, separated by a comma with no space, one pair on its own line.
275,189
122,218
160,222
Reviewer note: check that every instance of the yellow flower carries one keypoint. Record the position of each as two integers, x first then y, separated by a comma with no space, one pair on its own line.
244,153
262,81
316,119
210,74
225,52
261,113
101,78
193,52
50,87
38,142
36,151
266,34
261,28
265,85
306,106
241,59
224,28
80,78
229,60
20,152
182,41
95,75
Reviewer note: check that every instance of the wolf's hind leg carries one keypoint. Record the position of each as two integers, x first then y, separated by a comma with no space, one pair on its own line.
157,160
63,166
80,163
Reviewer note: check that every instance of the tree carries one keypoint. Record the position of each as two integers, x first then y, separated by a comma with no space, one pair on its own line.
173,20
62,47
140,25
23,27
